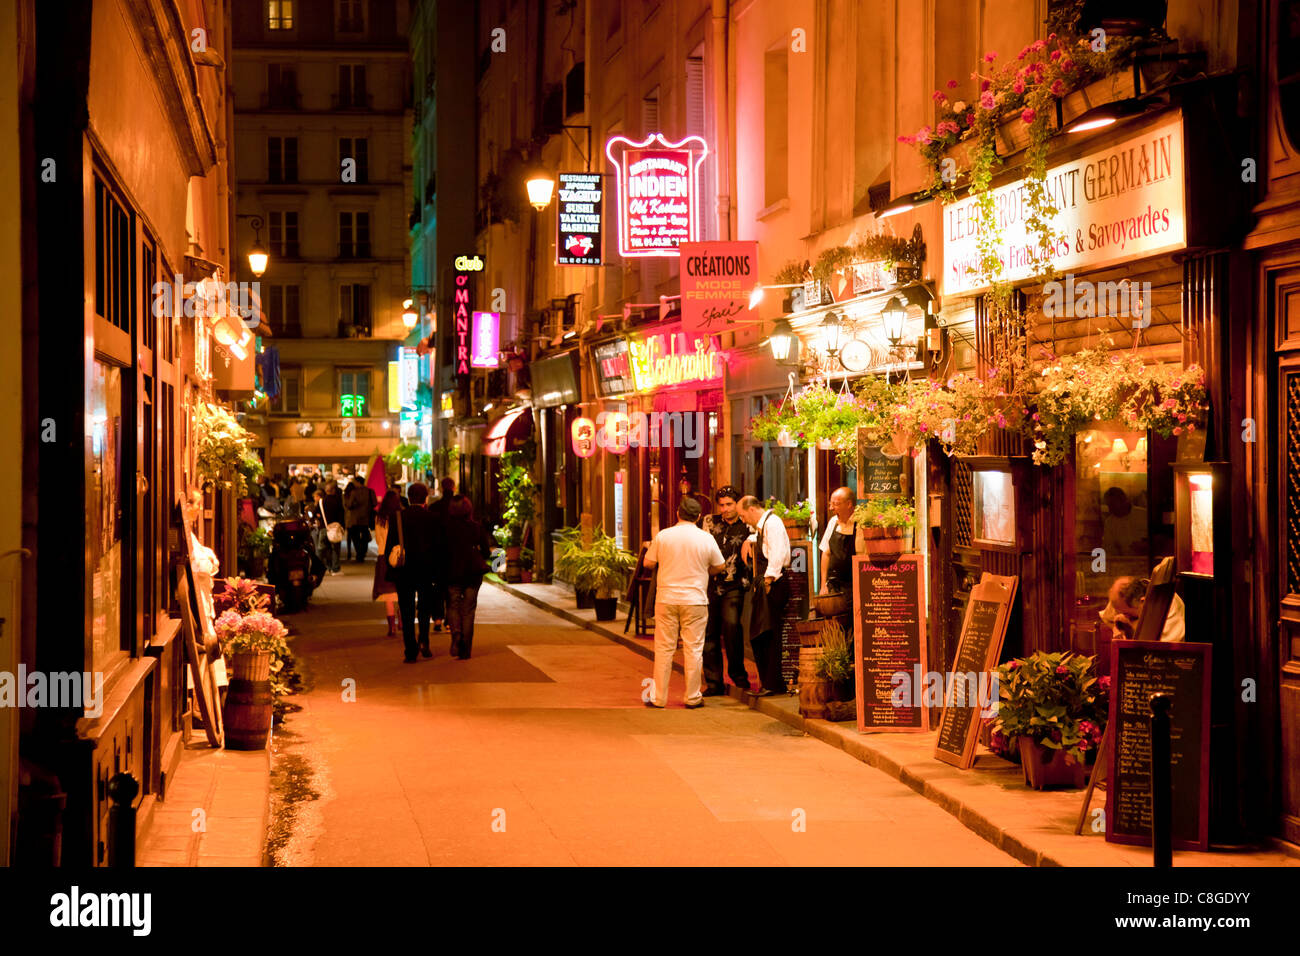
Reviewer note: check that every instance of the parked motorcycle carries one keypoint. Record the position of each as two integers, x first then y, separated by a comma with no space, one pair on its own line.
294,568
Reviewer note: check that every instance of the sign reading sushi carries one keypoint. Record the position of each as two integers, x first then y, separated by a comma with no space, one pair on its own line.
658,193
579,220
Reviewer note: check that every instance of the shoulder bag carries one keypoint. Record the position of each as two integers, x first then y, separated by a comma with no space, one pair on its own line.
397,557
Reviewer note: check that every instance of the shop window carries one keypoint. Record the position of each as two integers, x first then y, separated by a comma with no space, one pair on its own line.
354,235
279,14
354,393
993,510
106,517
284,234
358,150
282,159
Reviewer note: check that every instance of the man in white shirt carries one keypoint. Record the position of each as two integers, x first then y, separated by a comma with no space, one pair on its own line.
769,550
1126,596
839,543
685,556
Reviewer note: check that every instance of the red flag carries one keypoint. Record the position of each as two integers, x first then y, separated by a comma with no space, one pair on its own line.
377,477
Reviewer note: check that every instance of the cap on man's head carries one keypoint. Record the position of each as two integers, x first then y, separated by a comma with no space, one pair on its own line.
688,509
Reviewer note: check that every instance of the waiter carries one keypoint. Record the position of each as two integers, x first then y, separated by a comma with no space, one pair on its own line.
769,550
839,544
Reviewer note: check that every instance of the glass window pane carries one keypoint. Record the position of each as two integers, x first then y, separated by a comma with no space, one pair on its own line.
106,517
1111,509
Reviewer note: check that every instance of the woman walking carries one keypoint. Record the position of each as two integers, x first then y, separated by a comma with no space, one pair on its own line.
332,511
468,548
383,588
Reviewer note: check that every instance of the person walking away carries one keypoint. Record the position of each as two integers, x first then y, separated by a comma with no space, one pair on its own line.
726,597
839,544
332,512
686,556
769,550
421,539
468,549
383,587
441,507
356,502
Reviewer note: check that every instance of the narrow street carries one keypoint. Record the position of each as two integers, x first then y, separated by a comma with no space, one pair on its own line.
538,750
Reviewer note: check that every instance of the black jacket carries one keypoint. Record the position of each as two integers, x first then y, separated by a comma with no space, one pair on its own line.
466,540
424,538
333,505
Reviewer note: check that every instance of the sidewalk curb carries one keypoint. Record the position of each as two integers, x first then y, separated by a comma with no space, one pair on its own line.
851,743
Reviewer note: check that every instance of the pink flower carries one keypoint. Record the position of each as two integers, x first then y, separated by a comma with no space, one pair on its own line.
1018,86
1051,36
986,100
984,85
907,139
1056,55
990,57
970,119
1058,88
1182,418
1028,115
952,84
1062,669
1067,65
1177,430
938,96
946,127
1171,403
1013,665
923,134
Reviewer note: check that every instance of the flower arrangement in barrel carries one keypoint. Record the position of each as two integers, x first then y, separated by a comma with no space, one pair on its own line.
1055,700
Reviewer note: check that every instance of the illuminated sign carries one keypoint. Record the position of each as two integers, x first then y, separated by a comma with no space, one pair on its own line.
717,279
1119,204
579,219
613,368
410,376
670,359
583,431
447,405
469,263
658,193
487,340
352,406
394,386
462,305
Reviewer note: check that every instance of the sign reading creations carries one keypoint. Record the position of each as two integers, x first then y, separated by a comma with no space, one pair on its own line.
1122,203
658,193
579,220
717,278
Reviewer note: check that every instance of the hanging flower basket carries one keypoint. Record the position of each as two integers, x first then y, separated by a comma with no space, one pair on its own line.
785,440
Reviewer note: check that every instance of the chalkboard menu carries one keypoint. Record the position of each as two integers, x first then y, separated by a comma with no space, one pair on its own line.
889,639
796,610
1140,669
878,473
978,650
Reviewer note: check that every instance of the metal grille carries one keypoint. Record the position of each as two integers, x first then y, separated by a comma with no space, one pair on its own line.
962,497
1293,483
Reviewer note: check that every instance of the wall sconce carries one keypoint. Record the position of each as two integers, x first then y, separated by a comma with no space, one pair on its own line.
541,187
831,327
894,315
781,340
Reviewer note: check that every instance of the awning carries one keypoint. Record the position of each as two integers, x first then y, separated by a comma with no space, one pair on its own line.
315,450
508,433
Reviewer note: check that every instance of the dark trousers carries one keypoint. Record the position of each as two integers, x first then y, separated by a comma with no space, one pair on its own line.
462,603
359,541
406,607
767,645
725,633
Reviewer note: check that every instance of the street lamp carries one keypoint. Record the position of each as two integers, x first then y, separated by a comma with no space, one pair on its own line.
409,315
258,258
894,315
541,186
781,339
831,328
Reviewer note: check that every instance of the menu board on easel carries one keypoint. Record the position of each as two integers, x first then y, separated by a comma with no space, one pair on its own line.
889,639
879,472
1138,670
796,610
982,632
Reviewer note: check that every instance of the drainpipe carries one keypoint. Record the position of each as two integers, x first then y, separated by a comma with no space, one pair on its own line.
721,127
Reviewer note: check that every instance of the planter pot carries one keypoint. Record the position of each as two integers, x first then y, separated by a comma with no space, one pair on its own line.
249,701
586,599
525,576
810,633
881,542
513,569
796,529
814,692
1045,767
844,690
833,605
606,608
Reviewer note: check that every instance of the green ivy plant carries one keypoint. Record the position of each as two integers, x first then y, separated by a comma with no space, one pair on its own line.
518,494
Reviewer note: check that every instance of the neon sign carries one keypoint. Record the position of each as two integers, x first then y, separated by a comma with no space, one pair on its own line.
352,406
487,340
658,193
668,359
462,304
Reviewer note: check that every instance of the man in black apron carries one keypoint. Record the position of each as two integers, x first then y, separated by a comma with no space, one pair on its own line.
726,597
838,546
769,593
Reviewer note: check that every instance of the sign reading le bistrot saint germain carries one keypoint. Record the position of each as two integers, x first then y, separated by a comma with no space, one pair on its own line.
1118,204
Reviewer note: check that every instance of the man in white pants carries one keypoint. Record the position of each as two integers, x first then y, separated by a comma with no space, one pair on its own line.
685,556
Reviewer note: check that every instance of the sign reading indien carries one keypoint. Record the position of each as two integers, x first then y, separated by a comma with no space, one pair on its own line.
658,193
1122,203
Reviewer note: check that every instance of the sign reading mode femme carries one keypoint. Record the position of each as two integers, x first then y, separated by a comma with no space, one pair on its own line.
1116,205
717,278
658,193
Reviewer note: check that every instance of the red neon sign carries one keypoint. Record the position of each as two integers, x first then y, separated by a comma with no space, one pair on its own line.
658,193
460,310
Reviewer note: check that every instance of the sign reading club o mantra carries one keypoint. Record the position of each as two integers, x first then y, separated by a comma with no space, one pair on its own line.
658,193
1122,203
462,305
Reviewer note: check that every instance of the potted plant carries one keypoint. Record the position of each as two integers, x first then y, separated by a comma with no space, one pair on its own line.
796,517
526,565
254,549
255,646
603,569
882,522
518,494
1054,707
223,447
835,664
568,557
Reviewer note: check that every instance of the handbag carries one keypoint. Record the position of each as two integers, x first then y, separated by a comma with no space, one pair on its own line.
334,531
397,557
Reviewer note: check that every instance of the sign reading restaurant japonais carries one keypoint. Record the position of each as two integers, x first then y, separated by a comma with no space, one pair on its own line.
717,279
579,219
658,193
1118,204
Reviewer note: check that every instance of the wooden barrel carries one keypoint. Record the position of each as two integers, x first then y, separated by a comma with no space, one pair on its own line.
248,714
814,691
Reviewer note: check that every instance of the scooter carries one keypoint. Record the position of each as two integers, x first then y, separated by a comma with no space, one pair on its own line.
294,568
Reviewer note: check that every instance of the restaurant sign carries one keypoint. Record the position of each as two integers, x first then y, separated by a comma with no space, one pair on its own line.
579,220
1122,203
717,279
613,368
462,307
487,339
658,193
675,358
